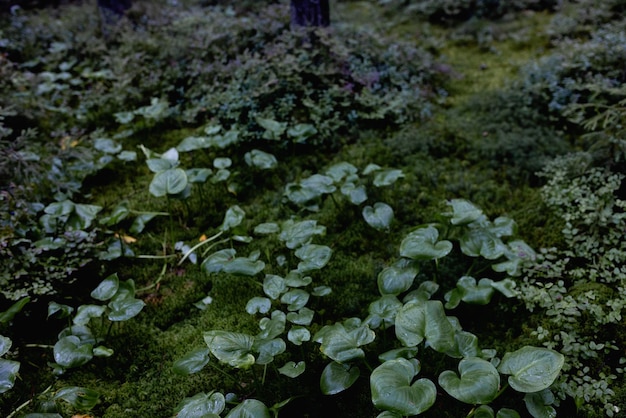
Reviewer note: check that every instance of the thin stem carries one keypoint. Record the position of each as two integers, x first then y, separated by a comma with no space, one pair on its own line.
25,404
200,244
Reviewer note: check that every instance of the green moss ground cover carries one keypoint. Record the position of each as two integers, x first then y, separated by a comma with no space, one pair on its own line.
266,213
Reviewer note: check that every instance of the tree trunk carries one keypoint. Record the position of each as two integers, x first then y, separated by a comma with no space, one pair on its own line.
113,10
310,13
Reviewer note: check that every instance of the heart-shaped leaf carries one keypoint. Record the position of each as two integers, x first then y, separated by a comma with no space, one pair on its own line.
268,349
5,345
417,321
259,159
341,341
539,404
355,193
463,212
171,181
403,352
340,171
107,288
122,309
303,317
272,327
510,413
8,373
383,311
250,408
71,352
292,369
531,369
313,256
295,298
471,292
397,278
379,216
258,305
297,335
233,348
337,377
479,242
387,177
234,216
478,383
202,405
422,244
86,312
295,234
392,389
192,362
80,398
274,286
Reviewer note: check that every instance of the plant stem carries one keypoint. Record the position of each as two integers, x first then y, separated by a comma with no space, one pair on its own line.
200,244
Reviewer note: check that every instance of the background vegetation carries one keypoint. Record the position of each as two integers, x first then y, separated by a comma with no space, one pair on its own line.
131,155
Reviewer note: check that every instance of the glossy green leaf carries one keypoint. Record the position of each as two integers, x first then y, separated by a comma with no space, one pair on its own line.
298,335
393,391
296,279
192,362
292,369
272,327
274,286
477,242
403,352
319,183
509,413
463,212
295,298
192,143
82,399
123,309
466,345
387,177
478,382
107,288
214,263
71,352
233,218
379,216
539,404
8,374
418,321
531,369
356,194
201,405
423,244
9,314
506,287
258,305
198,175
168,182
228,138
295,234
337,377
141,220
267,228
313,256
303,317
259,159
424,292
102,351
273,129
86,312
397,278
244,266
517,254
340,171
483,411
107,145
321,291
383,311
341,341
83,216
268,349
120,213
301,132
233,348
5,345
157,165
250,408
471,292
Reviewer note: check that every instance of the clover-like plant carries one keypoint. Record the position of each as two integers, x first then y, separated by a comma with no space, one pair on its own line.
77,344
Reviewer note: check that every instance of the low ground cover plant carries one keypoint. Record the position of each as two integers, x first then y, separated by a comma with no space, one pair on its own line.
310,225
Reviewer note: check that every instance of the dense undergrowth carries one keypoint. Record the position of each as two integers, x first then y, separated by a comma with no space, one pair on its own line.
205,211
